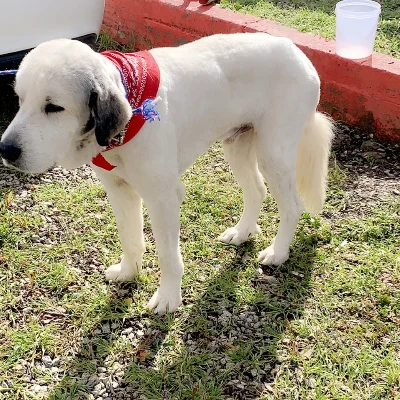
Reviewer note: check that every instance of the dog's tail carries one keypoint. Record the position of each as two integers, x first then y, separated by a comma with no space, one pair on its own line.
312,161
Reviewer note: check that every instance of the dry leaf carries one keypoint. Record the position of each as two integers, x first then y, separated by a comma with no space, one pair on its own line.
307,353
128,301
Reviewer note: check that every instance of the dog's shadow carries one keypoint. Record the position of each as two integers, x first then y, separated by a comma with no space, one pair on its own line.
225,345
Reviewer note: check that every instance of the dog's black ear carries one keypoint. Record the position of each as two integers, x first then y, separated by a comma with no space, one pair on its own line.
110,115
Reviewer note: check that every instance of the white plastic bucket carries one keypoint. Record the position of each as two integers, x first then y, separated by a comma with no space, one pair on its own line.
356,24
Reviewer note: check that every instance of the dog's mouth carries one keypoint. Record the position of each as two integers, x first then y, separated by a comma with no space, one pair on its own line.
17,166
9,164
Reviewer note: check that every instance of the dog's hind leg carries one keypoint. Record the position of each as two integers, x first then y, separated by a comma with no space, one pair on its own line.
240,152
276,154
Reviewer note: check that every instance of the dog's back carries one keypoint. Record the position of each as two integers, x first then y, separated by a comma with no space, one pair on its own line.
232,80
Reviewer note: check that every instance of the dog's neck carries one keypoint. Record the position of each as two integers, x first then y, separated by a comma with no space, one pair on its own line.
140,77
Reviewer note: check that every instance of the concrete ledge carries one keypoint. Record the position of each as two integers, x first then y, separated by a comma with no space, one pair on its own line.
364,93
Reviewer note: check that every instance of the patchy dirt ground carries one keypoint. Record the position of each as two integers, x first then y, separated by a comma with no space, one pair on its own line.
372,169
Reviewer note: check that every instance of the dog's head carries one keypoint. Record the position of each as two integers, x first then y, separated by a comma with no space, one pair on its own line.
72,103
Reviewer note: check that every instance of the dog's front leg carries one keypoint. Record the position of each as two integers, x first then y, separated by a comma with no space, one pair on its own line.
127,207
164,209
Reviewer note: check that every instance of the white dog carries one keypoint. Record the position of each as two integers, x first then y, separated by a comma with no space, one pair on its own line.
256,93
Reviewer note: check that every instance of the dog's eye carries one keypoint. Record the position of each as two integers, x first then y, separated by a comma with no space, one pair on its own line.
52,108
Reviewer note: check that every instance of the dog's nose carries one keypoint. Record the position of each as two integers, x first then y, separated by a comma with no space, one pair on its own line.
9,152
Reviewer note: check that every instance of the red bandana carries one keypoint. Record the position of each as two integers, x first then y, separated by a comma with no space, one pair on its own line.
141,77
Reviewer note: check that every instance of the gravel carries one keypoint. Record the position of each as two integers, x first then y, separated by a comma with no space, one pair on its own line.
372,170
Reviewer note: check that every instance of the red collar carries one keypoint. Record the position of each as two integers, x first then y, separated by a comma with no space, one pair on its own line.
141,77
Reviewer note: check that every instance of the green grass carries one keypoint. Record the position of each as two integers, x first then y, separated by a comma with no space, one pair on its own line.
333,325
318,17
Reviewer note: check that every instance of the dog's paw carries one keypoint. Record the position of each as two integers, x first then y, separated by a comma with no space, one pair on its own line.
270,256
162,303
236,236
119,273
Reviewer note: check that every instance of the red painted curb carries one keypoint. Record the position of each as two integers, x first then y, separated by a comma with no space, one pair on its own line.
364,93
